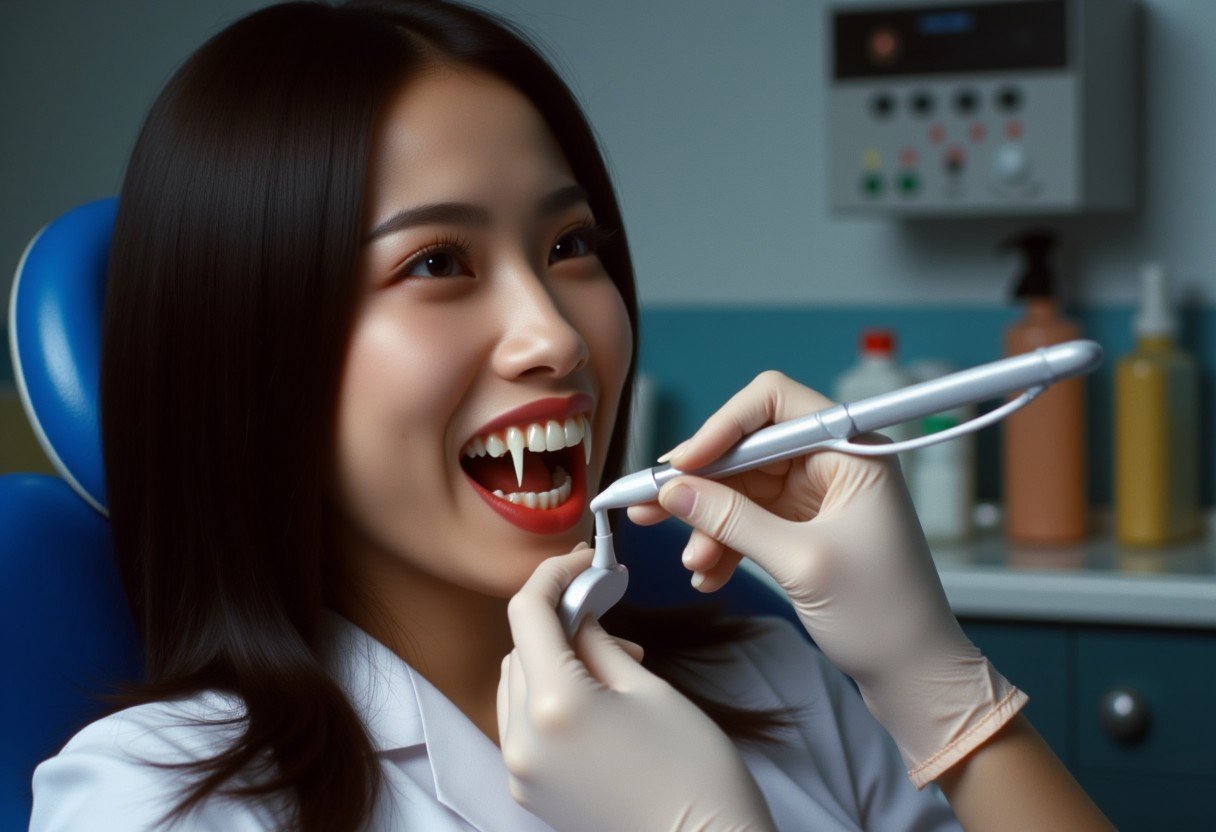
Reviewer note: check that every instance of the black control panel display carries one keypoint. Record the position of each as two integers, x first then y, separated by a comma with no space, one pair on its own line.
925,40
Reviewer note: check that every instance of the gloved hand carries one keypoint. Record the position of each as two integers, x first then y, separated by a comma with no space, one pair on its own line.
593,741
839,534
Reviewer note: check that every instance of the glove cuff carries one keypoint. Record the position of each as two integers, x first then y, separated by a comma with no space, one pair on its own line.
939,716
971,739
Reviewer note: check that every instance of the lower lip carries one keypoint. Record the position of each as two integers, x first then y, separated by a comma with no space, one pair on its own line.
544,520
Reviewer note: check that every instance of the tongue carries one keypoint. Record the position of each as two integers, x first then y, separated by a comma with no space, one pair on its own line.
499,474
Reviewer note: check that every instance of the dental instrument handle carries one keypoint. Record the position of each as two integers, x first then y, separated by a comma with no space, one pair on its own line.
796,437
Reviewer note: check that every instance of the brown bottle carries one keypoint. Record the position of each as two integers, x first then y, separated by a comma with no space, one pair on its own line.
1044,460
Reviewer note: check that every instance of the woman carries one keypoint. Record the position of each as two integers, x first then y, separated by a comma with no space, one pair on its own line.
370,309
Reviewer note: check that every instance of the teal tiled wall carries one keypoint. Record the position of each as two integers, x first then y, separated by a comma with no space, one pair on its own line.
700,356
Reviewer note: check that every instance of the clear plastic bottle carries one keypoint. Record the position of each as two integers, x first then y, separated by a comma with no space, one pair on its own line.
1156,427
877,372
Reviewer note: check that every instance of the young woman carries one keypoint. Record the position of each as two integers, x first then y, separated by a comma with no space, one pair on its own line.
370,332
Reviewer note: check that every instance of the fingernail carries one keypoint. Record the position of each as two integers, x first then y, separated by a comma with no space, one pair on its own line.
678,499
698,578
673,451
686,558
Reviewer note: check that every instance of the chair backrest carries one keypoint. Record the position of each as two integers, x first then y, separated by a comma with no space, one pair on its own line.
66,630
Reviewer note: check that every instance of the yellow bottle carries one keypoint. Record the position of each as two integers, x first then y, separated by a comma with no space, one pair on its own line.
1156,428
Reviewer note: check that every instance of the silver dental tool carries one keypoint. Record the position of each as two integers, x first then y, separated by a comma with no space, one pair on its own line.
603,584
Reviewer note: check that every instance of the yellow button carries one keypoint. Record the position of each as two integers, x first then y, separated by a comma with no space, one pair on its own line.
871,160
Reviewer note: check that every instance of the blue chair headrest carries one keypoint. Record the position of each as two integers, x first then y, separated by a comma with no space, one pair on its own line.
55,338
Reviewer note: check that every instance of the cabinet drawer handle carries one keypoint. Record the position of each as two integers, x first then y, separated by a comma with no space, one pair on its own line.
1123,714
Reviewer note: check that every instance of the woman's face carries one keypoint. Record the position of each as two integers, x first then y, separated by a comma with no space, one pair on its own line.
488,344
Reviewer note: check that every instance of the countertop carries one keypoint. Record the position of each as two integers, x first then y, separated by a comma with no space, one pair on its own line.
1096,581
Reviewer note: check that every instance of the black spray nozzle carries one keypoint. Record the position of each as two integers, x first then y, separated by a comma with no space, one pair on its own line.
1037,279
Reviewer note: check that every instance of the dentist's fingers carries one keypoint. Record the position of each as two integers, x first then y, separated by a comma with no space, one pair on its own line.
544,653
646,514
503,702
770,398
607,657
717,576
736,522
701,552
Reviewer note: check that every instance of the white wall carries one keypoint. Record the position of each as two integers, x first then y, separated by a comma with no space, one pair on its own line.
710,112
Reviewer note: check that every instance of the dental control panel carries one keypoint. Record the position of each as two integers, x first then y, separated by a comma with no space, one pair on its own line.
982,108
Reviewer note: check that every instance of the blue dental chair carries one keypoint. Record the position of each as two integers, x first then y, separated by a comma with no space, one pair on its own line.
66,631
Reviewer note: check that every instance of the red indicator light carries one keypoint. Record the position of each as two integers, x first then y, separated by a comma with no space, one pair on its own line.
977,131
937,134
1013,129
908,157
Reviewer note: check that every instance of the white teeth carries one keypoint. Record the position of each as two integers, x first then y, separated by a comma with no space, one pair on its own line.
552,498
555,437
515,442
536,438
574,431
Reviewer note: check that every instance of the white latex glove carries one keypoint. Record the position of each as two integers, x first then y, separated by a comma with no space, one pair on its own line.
594,742
839,534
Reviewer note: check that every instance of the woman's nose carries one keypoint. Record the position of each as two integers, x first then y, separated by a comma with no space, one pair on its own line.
537,337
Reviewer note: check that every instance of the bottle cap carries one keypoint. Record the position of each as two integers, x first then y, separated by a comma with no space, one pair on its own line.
1156,316
880,341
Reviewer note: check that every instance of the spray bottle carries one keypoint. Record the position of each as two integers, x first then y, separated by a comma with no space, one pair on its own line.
1043,451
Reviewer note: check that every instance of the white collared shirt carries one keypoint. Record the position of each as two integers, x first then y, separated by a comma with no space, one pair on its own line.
838,769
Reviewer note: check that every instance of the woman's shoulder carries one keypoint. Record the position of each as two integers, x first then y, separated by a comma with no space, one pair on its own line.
180,729
119,772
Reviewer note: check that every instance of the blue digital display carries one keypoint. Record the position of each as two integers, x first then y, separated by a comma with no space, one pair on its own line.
946,23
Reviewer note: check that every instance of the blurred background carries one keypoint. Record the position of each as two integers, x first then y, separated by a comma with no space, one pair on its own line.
796,173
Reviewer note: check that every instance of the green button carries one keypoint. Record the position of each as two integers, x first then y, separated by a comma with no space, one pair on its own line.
909,183
871,183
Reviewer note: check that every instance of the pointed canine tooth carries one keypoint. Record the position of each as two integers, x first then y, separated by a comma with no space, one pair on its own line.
515,444
470,451
555,437
498,492
586,440
530,499
574,431
495,447
479,447
536,438
543,499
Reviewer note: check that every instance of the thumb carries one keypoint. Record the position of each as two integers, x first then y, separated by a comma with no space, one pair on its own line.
734,521
608,659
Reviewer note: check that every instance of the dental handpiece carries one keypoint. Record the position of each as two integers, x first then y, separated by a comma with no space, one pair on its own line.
591,592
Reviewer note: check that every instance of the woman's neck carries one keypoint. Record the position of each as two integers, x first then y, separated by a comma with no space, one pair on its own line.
454,636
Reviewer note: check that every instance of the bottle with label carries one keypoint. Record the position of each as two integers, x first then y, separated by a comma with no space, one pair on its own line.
877,372
1156,427
942,476
1043,455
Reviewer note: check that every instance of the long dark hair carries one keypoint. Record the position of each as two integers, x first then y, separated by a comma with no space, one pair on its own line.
228,311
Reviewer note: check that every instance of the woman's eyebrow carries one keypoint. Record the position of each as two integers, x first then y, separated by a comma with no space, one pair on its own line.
464,213
438,213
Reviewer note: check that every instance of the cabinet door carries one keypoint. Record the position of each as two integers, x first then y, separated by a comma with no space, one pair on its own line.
1035,658
1151,803
1171,674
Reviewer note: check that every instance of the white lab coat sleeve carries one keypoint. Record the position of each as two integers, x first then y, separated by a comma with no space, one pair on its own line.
882,795
101,781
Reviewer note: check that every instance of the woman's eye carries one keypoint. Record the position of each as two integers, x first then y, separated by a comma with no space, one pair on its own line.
437,263
573,244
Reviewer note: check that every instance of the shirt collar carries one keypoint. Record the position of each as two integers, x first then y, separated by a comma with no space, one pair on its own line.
402,709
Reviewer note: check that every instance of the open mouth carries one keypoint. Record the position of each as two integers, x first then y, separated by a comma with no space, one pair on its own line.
533,474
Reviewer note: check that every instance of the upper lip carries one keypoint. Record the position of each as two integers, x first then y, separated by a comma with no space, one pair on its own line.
554,407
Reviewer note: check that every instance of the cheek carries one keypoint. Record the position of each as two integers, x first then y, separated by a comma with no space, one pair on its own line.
604,322
398,391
